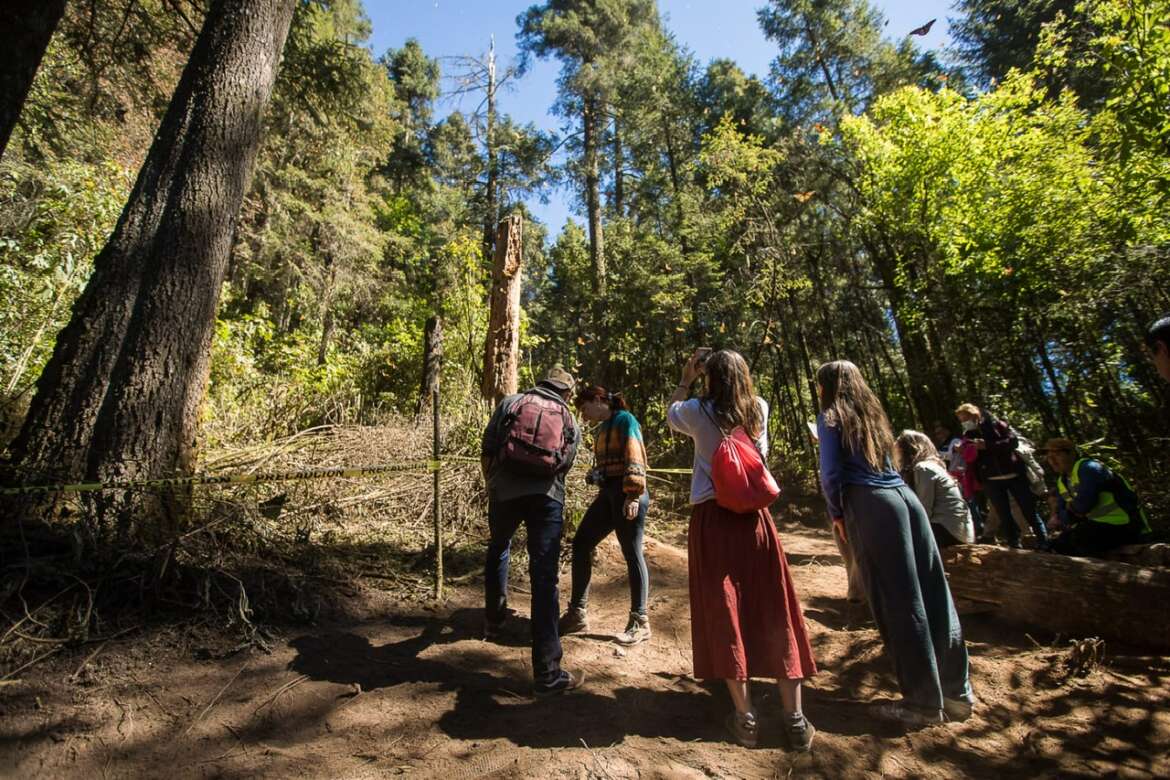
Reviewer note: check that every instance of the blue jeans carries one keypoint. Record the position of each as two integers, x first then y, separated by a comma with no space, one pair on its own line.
908,593
1017,487
543,518
605,515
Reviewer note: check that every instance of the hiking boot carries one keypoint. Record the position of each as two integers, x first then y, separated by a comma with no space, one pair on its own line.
573,621
492,628
798,732
565,682
637,630
958,710
743,728
901,713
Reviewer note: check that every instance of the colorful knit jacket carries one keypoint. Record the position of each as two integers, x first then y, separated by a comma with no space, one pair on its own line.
618,452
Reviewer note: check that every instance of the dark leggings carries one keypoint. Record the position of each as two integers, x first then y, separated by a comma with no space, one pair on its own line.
603,517
998,491
942,536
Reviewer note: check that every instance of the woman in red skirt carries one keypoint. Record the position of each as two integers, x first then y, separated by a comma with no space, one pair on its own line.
746,619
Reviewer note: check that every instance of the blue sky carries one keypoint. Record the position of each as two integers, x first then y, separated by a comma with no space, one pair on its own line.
709,28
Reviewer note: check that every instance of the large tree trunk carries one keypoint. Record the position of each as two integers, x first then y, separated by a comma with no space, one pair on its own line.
120,396
619,185
591,121
501,359
592,126
1075,597
932,395
28,26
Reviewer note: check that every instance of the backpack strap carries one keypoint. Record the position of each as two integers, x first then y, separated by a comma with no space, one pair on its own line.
711,417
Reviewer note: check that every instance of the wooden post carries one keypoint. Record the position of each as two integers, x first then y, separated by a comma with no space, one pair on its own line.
432,363
501,361
438,505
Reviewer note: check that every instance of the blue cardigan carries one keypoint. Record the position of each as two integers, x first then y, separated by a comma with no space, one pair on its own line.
841,467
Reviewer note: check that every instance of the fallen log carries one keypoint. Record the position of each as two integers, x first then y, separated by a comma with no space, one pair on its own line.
1076,597
1157,554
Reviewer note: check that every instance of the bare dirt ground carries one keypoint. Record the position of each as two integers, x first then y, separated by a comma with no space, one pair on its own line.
412,689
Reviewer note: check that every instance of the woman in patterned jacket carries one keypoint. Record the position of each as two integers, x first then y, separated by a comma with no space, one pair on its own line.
619,471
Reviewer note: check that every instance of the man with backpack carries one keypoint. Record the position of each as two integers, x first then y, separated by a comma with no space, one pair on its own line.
528,447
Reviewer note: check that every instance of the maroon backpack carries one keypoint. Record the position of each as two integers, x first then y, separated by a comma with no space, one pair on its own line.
538,436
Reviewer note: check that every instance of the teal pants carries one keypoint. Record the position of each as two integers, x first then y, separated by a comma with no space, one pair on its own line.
908,593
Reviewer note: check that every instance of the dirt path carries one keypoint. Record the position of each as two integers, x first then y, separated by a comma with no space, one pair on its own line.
417,692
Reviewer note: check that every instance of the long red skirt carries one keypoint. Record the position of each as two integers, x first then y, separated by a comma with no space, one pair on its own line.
746,620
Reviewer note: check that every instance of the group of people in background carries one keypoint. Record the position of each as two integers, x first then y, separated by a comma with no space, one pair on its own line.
1092,511
894,502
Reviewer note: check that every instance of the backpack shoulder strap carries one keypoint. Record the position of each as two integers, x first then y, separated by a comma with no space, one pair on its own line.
711,417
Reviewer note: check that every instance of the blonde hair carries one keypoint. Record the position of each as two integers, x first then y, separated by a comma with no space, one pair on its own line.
970,409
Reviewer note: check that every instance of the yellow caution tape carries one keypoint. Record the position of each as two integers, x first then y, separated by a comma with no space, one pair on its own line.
419,466
422,466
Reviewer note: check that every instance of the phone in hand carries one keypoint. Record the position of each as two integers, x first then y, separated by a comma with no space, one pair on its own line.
701,355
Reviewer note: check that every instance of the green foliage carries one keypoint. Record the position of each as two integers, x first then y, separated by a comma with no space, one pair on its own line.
54,217
1003,245
834,58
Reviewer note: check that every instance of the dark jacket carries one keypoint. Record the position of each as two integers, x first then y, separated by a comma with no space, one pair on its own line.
1000,457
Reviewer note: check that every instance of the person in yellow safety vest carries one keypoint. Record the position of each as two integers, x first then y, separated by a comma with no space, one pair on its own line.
1097,510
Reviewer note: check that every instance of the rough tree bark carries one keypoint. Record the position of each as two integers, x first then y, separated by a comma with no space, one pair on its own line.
932,394
619,188
1076,597
591,125
28,26
591,121
120,396
432,364
501,359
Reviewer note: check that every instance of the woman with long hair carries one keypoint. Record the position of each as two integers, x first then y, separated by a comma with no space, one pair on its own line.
887,527
746,619
938,492
619,472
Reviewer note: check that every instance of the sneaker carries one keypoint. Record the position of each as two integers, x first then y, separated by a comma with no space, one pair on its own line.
637,630
901,713
743,728
492,628
799,734
958,710
565,682
573,621
1016,544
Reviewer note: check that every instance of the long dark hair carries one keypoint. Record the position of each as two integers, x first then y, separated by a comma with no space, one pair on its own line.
730,391
849,404
616,401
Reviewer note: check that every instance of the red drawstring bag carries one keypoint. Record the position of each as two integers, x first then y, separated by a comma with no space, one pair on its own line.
742,481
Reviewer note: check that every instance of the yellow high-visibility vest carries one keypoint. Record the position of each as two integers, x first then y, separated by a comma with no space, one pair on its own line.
1106,509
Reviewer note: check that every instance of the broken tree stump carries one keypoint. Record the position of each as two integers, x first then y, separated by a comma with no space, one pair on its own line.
501,360
1077,597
